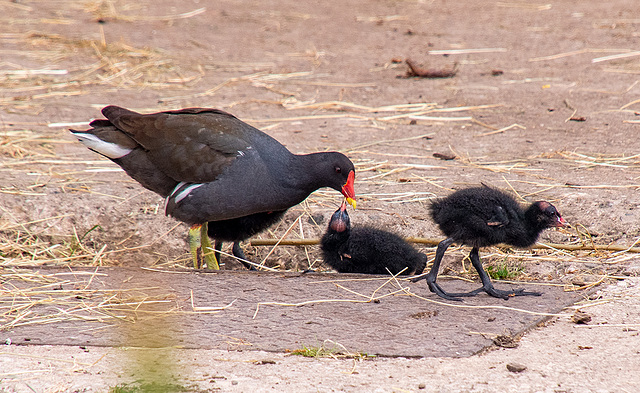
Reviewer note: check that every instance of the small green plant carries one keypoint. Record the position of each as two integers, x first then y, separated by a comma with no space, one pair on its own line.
124,388
144,387
504,271
336,351
76,242
312,352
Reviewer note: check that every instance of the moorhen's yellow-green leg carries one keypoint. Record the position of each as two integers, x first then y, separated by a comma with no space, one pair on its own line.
201,248
207,248
195,245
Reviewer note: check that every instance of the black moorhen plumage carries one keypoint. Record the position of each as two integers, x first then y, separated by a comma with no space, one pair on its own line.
481,217
367,250
212,167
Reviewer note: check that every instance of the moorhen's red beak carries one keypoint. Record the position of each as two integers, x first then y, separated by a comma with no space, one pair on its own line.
348,191
561,222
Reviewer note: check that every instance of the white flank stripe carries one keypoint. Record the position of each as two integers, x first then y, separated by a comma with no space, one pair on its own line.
182,194
176,188
107,149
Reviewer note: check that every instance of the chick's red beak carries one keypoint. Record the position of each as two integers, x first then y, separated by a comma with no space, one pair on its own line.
340,219
560,222
348,191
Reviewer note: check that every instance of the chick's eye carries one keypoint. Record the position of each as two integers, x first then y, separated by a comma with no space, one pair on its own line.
338,169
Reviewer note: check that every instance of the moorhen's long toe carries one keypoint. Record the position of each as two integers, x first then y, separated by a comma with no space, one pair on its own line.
214,170
507,294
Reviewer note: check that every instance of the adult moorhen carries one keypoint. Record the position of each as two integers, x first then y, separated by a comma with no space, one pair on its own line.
481,217
212,167
366,249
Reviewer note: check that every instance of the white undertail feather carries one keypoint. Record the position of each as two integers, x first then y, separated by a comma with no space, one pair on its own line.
108,149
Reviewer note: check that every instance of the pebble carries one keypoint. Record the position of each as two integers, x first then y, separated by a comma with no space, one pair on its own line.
516,367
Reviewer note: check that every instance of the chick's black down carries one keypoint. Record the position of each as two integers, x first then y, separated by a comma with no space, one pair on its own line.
483,216
368,250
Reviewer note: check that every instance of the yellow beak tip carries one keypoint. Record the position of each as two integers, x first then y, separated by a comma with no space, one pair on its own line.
352,202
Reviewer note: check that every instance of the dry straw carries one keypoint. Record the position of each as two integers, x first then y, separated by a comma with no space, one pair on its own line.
400,170
31,297
398,290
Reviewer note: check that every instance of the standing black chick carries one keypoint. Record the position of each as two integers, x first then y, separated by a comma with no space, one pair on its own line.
484,216
238,229
367,250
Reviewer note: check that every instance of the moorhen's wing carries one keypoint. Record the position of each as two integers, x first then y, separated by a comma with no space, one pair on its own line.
192,145
499,217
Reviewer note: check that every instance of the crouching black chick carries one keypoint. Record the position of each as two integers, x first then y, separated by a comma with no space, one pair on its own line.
367,250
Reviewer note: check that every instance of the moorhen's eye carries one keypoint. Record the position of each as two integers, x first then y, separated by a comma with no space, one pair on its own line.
338,169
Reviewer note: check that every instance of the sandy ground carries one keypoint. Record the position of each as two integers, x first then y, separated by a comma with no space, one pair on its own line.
537,107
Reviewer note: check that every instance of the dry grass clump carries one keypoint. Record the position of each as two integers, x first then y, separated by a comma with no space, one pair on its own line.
29,297
94,62
23,143
21,247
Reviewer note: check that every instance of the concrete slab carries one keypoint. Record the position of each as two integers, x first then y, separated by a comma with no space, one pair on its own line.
140,307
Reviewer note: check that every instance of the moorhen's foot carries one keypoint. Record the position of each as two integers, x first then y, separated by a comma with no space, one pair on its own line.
237,252
419,278
507,294
435,288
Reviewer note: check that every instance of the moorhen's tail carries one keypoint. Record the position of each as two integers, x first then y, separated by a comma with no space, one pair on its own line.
106,139
113,112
